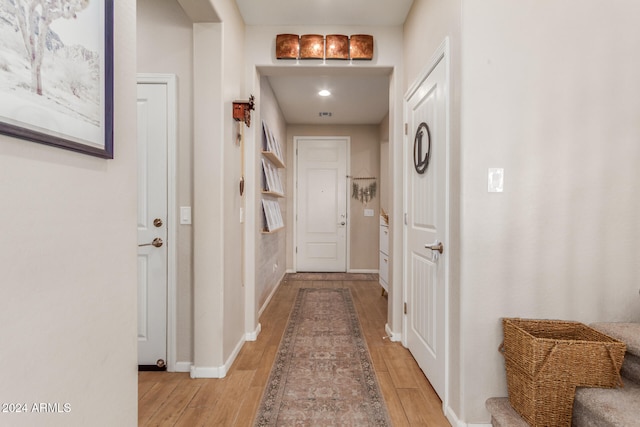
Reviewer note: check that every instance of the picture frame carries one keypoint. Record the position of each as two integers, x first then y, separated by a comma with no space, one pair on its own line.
59,92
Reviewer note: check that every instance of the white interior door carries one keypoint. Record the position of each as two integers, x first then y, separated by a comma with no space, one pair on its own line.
426,225
152,224
321,204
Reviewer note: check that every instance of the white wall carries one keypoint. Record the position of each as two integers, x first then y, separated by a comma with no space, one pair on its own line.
68,259
550,93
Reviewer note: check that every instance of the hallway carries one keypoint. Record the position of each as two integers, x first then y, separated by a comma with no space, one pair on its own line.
174,399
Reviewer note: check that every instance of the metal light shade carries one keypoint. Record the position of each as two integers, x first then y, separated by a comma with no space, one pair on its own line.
361,46
337,47
287,46
311,46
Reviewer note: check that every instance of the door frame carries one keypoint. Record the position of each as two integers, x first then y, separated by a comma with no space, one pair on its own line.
170,81
296,140
441,54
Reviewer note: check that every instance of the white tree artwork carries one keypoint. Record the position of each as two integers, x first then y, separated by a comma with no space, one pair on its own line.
33,19
53,78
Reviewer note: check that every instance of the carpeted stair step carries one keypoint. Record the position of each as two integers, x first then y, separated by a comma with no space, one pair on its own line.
618,407
602,407
629,333
502,414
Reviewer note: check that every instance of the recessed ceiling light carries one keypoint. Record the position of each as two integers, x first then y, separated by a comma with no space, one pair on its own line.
324,92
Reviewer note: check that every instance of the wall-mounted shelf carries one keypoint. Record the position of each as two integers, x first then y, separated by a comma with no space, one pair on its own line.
271,147
265,231
272,187
272,193
273,159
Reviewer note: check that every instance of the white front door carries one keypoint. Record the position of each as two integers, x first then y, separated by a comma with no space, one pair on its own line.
426,162
321,204
152,224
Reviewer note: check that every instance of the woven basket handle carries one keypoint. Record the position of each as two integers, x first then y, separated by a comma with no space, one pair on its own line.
501,348
613,365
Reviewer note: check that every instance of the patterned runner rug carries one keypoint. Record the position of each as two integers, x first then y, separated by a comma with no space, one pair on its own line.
322,375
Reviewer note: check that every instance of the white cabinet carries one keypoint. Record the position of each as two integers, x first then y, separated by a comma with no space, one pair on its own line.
384,256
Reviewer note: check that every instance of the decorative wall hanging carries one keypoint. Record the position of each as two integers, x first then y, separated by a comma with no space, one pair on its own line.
242,110
333,46
58,74
242,113
364,192
420,157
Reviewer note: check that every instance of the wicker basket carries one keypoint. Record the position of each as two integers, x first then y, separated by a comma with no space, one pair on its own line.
547,359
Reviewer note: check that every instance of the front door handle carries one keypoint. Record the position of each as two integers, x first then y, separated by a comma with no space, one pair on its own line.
437,246
157,242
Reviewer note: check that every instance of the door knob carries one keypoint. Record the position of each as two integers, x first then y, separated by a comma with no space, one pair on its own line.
157,222
157,242
342,223
437,246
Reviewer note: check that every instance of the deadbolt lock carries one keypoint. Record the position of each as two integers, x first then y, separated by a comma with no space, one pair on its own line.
157,222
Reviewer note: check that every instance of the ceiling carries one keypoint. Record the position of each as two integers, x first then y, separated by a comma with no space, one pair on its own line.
324,12
359,95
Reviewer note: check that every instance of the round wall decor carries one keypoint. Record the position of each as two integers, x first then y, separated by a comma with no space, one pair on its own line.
420,156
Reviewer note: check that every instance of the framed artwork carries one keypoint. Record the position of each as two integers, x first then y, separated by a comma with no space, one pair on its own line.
56,73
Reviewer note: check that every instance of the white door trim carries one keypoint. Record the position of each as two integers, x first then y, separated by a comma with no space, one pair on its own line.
296,139
442,53
170,80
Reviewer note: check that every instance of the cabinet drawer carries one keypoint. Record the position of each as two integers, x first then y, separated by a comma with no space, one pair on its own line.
384,239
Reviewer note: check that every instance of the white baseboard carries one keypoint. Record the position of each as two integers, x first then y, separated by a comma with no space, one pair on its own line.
217,371
252,336
182,367
453,419
392,336
271,294
363,270
207,372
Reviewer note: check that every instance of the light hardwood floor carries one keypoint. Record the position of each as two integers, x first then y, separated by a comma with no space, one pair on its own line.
174,399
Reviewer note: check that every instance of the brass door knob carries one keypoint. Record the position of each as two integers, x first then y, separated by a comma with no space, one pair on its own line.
437,246
157,242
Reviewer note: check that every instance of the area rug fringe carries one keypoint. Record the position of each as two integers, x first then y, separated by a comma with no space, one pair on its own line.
323,375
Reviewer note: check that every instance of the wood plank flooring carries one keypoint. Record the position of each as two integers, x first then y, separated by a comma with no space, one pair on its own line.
174,399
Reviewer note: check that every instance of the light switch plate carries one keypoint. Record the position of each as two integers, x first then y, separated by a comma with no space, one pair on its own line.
368,212
185,215
495,180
